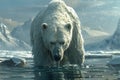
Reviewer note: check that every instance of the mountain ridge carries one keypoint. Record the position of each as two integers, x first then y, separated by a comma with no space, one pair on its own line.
110,43
7,42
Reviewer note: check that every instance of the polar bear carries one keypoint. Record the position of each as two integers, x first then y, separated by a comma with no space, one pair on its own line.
56,36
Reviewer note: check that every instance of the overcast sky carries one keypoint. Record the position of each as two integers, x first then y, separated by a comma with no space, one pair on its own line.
93,13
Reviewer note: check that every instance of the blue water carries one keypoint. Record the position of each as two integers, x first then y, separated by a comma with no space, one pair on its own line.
94,69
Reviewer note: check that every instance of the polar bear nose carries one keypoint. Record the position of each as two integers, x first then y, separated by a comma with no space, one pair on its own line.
57,55
57,58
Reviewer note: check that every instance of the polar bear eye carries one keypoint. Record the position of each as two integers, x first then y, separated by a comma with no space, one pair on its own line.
44,25
52,43
68,26
62,43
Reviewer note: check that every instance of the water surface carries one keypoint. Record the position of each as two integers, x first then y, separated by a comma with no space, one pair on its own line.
94,69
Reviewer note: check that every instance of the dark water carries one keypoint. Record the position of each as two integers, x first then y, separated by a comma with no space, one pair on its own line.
17,73
94,69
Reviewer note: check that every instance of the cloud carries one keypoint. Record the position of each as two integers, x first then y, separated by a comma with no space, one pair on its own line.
91,3
102,12
97,3
100,7
111,13
10,22
73,3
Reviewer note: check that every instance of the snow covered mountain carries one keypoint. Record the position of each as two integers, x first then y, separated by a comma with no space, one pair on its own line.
91,35
114,41
23,32
19,38
7,42
4,32
111,43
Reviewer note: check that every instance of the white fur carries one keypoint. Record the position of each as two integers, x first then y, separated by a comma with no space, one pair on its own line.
57,15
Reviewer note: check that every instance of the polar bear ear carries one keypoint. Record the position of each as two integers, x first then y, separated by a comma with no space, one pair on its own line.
68,26
44,26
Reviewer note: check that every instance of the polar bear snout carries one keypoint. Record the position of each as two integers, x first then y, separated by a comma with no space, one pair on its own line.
57,58
57,54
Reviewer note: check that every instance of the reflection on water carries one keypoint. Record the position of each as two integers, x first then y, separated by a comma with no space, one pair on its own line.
94,69
71,72
17,73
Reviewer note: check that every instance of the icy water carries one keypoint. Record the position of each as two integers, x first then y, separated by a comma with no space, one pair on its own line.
94,69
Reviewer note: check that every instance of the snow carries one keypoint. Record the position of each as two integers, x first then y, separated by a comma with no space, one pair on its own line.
7,53
23,32
28,54
3,29
7,42
103,54
18,60
115,39
94,33
91,35
110,43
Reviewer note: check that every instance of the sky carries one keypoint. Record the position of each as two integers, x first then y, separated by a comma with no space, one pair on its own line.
102,14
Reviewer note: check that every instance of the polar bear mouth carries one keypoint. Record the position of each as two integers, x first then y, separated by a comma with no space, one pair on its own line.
56,54
57,58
